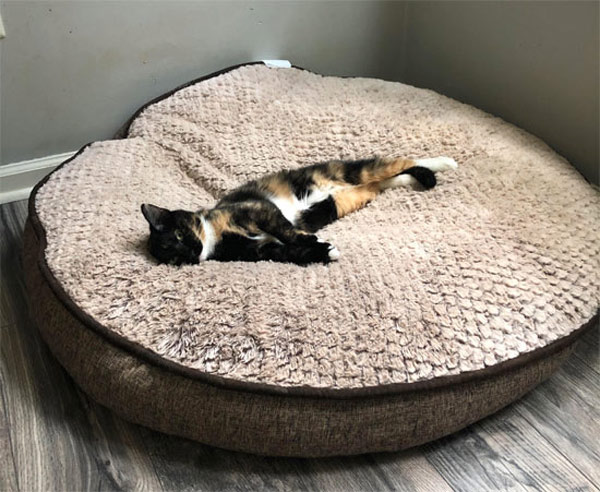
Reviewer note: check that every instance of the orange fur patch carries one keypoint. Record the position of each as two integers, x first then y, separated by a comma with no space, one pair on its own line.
336,170
278,187
221,222
385,169
196,227
323,182
351,199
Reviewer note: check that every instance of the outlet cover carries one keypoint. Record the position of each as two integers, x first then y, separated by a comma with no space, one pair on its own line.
2,31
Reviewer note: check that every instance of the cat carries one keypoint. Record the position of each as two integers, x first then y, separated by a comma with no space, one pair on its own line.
275,217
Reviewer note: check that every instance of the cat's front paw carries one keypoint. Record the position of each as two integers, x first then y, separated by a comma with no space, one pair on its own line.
317,252
332,252
437,164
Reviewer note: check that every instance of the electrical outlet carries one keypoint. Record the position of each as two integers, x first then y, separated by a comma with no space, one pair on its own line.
2,31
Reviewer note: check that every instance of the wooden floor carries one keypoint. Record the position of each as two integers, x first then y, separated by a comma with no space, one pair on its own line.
52,437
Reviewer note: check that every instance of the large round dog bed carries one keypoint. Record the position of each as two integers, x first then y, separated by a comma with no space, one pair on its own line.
445,305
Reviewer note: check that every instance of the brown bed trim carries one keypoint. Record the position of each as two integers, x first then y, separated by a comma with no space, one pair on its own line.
261,388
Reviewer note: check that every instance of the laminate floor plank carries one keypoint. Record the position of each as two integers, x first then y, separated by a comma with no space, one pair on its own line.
349,473
8,472
583,383
186,465
562,421
12,220
468,463
45,419
120,449
534,462
410,471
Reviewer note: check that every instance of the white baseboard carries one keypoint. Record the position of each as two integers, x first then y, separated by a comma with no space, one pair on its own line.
18,179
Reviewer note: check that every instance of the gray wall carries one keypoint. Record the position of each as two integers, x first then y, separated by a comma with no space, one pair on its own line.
72,72
533,63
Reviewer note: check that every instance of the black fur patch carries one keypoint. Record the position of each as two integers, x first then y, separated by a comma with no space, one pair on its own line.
319,215
301,180
300,254
245,193
426,177
235,247
352,169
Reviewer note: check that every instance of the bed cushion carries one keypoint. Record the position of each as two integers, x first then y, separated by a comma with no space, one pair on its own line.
460,298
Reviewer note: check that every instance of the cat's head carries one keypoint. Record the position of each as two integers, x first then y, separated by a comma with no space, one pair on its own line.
174,235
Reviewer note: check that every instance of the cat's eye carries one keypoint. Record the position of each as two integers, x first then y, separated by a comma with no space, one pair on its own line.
178,235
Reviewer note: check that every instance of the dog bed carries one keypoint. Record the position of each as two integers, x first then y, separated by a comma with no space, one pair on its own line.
445,305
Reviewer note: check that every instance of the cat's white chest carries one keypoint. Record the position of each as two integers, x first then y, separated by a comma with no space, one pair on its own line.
289,208
292,207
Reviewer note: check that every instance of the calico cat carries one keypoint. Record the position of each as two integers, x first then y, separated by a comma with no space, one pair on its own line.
275,217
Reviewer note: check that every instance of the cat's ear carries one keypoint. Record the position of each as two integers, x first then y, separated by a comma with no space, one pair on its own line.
155,216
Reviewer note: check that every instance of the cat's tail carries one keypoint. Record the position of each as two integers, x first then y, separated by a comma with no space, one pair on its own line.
425,177
422,171
413,175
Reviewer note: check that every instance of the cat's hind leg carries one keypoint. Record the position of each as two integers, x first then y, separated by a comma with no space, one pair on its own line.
341,202
353,198
410,177
374,170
